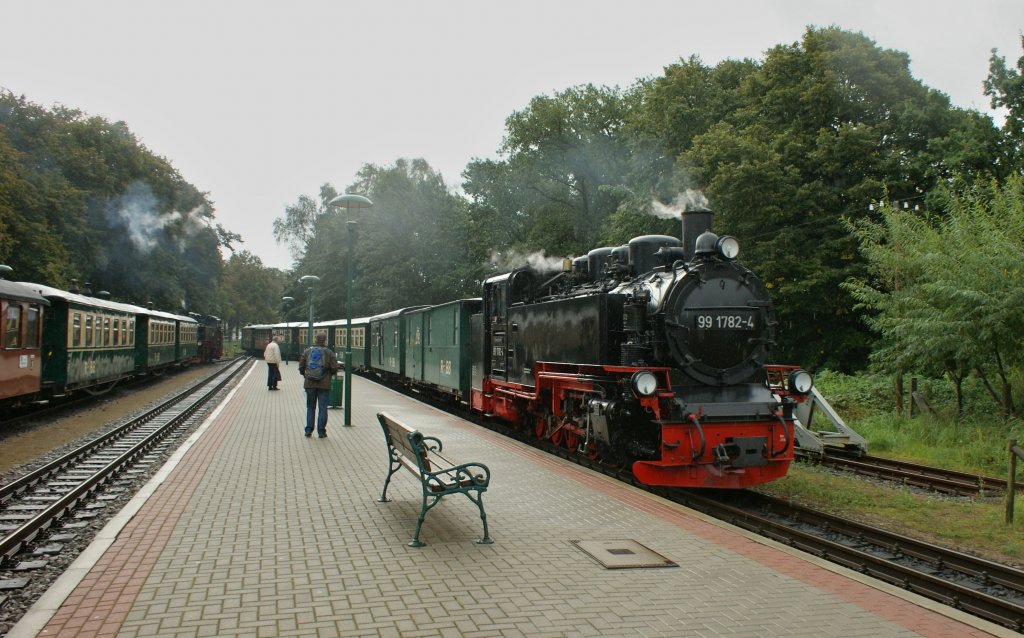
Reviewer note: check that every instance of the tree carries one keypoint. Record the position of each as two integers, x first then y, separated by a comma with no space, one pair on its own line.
944,292
81,198
818,131
411,248
555,189
298,226
1005,86
250,292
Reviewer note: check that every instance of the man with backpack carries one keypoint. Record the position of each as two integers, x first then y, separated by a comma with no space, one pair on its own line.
317,365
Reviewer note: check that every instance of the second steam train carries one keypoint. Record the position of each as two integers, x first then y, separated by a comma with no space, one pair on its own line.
652,356
55,343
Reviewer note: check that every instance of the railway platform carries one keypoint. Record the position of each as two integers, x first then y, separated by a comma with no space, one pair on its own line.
253,529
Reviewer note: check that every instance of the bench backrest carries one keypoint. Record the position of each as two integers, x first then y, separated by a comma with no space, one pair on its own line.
407,441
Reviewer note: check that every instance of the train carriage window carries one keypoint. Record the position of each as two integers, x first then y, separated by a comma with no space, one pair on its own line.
106,331
341,336
76,330
12,327
88,332
430,330
359,338
131,331
32,327
116,327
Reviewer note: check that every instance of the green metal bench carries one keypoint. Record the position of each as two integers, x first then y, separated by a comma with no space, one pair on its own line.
438,476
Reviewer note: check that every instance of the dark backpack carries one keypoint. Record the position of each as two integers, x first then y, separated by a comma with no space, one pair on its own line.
315,365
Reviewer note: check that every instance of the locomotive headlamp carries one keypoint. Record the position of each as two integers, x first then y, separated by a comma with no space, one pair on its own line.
728,247
644,383
800,381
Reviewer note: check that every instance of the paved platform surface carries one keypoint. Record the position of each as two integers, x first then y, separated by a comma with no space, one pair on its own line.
254,530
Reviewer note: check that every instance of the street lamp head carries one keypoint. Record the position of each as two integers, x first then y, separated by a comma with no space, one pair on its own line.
348,200
288,299
309,280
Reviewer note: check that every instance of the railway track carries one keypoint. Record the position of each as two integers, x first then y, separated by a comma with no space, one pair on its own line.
980,587
36,502
974,585
924,476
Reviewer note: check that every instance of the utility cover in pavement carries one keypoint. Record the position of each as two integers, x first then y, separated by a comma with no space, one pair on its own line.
623,554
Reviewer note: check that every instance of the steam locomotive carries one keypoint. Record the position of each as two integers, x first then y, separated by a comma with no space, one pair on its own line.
652,356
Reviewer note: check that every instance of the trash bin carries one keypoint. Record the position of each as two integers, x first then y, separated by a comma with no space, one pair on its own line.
334,400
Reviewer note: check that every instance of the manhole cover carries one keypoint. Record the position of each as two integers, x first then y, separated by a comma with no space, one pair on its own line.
623,554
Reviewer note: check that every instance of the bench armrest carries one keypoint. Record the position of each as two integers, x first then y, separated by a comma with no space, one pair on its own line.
432,444
465,475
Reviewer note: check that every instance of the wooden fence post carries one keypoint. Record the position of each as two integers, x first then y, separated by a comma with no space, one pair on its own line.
1011,482
913,391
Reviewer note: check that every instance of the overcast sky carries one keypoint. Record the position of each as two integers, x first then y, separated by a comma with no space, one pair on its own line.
260,102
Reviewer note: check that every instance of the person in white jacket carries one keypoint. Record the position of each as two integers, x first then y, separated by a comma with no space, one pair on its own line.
272,355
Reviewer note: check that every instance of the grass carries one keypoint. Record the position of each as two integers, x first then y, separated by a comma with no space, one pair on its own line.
977,442
970,525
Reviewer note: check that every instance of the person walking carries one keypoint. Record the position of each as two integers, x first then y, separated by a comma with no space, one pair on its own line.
272,355
317,365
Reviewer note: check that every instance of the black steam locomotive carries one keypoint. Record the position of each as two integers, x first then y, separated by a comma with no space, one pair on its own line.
653,355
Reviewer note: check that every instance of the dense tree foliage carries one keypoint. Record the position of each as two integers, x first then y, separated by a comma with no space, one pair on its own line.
813,135
944,290
1006,88
412,247
251,292
82,199
565,156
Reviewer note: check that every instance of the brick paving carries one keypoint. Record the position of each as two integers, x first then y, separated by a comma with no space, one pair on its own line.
256,530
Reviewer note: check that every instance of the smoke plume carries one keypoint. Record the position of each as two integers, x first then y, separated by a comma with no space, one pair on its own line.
137,211
687,200
539,261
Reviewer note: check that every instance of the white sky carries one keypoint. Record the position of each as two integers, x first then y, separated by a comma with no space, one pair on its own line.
259,102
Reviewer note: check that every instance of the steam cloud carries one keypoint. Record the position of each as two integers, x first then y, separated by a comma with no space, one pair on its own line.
687,200
539,261
136,212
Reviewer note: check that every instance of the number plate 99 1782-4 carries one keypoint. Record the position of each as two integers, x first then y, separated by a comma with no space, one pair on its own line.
726,321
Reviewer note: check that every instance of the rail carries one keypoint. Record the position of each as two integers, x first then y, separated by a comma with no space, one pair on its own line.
97,469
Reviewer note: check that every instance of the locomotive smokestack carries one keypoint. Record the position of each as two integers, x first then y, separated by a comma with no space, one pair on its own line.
695,224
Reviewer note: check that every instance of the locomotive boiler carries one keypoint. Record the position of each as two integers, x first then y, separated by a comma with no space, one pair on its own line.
652,356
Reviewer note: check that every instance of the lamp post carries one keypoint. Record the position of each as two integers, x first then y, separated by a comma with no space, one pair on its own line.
349,201
287,301
309,280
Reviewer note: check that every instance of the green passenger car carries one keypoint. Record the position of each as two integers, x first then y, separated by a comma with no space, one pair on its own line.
188,339
86,341
438,352
291,347
337,340
387,345
160,334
